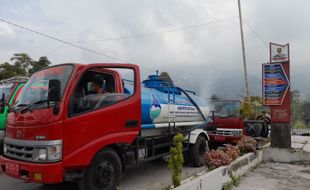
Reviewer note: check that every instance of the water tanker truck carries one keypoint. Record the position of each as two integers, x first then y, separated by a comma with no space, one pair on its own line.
88,122
9,90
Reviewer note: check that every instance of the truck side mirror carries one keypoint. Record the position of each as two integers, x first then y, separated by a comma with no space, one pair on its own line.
2,103
1,107
54,89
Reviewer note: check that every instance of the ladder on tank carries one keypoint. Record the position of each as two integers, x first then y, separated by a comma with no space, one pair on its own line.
171,114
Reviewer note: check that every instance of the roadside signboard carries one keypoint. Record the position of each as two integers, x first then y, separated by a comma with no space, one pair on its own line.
277,95
279,53
275,84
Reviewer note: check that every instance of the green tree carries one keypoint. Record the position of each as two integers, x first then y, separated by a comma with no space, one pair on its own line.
22,65
306,112
251,110
8,70
40,64
165,77
296,105
22,62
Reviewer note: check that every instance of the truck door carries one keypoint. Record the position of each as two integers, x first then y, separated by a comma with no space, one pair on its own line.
104,108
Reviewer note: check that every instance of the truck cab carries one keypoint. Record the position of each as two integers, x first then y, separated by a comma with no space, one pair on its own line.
9,90
229,126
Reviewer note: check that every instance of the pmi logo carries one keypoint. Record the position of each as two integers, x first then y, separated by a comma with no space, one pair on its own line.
155,108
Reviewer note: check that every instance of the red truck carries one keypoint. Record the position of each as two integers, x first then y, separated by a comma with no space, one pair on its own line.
62,129
229,126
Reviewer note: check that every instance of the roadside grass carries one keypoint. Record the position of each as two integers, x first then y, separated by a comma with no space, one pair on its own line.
234,182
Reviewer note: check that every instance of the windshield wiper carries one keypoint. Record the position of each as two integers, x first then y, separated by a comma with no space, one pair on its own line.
17,106
22,105
232,115
29,106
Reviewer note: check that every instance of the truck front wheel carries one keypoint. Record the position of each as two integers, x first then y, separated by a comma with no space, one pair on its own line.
198,151
104,172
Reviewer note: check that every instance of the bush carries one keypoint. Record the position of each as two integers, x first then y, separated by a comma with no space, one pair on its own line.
299,124
217,158
175,162
247,144
232,151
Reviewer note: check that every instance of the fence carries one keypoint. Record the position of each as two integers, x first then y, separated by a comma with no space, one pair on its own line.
300,131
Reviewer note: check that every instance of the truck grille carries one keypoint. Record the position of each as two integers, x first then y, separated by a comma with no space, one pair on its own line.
19,152
228,132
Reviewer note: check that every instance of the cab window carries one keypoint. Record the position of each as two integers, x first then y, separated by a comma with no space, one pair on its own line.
98,88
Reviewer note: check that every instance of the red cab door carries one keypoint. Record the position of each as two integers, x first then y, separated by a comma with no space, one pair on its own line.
89,130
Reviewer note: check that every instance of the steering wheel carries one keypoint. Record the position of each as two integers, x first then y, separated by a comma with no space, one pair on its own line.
108,99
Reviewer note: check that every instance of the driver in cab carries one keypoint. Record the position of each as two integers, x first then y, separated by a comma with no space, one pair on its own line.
96,92
97,84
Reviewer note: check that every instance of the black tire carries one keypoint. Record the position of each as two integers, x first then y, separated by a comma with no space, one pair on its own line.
104,172
198,151
213,145
186,158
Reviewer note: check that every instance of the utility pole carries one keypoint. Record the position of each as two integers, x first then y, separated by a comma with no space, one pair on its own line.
246,86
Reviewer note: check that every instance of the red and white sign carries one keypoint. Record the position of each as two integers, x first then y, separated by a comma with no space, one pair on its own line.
276,83
279,53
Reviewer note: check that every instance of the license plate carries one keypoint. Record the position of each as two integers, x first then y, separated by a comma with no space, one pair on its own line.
219,138
12,169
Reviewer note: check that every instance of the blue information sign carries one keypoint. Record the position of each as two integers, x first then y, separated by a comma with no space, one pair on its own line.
275,84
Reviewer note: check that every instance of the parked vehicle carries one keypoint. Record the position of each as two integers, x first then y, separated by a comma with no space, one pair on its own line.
229,126
88,122
9,90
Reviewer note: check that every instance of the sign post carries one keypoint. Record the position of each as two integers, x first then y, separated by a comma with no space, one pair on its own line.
276,94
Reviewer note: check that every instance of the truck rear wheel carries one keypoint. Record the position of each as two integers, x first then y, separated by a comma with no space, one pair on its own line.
104,172
198,151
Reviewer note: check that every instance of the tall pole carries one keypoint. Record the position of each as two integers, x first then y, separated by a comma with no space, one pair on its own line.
246,86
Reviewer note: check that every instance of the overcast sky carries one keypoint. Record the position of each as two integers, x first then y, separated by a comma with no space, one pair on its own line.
206,59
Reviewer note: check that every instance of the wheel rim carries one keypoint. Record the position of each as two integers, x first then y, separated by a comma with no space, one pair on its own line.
103,175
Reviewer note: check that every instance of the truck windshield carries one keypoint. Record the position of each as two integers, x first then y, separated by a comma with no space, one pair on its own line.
226,108
6,89
36,89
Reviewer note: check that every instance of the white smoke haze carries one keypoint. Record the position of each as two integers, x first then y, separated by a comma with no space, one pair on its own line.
206,59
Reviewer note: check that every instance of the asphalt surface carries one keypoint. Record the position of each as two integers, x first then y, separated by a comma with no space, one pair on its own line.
280,176
152,176
276,176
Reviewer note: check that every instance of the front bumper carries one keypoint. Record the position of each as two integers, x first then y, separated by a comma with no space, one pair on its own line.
51,173
224,138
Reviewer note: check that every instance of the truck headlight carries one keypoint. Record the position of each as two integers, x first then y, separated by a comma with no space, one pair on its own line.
50,153
236,133
42,155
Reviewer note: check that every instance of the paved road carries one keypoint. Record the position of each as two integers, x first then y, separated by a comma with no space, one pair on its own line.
277,176
153,175
280,176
